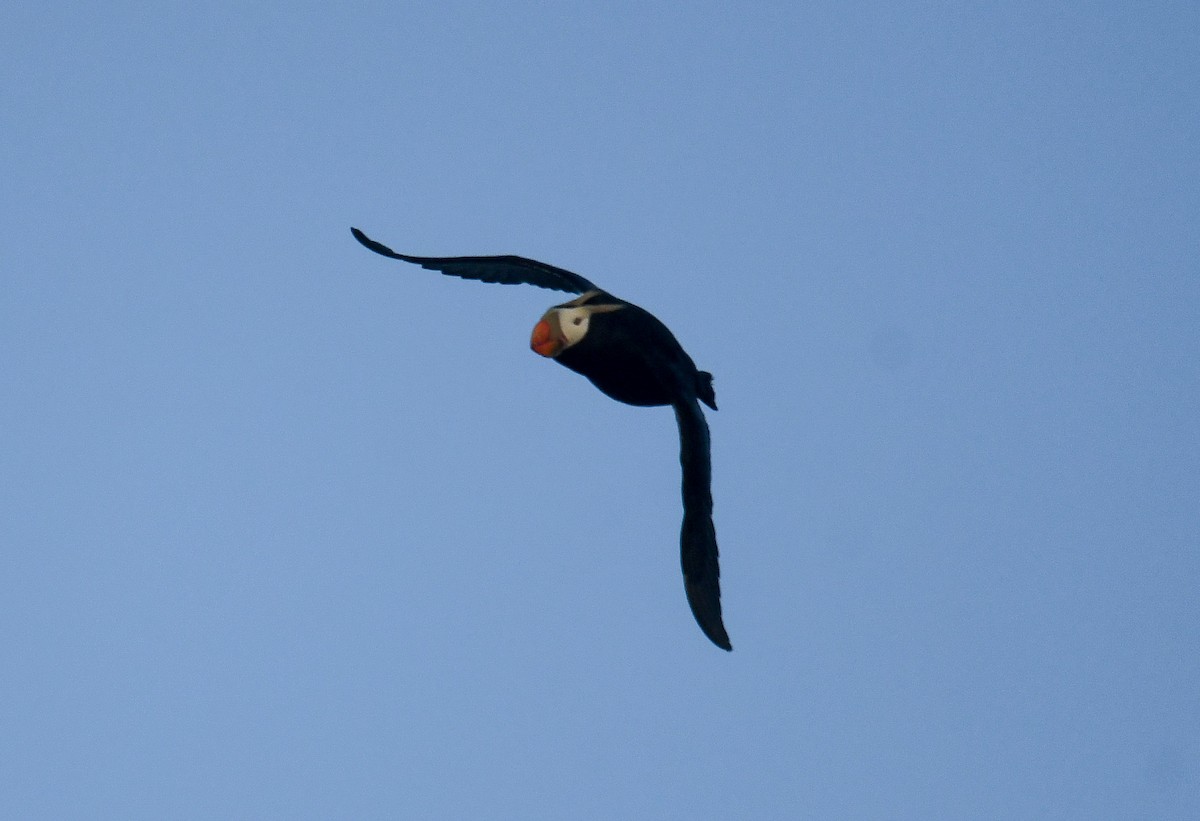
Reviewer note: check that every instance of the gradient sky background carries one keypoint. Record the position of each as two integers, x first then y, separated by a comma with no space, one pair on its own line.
292,531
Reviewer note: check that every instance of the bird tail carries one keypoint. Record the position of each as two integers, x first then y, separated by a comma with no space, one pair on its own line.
698,537
704,389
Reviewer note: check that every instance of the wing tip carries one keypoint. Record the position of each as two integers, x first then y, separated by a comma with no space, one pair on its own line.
717,635
706,608
377,247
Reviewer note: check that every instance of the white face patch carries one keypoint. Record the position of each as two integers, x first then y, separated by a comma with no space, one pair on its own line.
574,324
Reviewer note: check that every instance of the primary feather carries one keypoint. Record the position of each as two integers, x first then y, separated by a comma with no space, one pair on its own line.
506,270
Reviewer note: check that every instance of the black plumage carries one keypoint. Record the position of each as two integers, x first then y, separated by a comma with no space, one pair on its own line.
506,270
633,358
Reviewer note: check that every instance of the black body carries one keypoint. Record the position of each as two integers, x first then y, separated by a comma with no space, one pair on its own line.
633,358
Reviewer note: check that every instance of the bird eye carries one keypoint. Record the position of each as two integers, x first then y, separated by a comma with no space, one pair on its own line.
578,320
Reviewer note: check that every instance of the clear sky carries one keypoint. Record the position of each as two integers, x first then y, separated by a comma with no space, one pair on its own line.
288,530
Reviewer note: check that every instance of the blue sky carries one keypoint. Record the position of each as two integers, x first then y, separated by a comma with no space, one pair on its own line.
292,531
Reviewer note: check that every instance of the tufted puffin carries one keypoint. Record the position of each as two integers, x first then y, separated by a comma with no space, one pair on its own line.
630,356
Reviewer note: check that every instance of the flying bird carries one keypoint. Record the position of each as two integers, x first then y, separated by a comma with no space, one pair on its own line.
631,357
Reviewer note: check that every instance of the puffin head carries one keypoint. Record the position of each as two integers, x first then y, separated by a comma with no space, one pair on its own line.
565,325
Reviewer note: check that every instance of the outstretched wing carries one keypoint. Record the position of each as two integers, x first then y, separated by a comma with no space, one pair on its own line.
507,270
698,537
